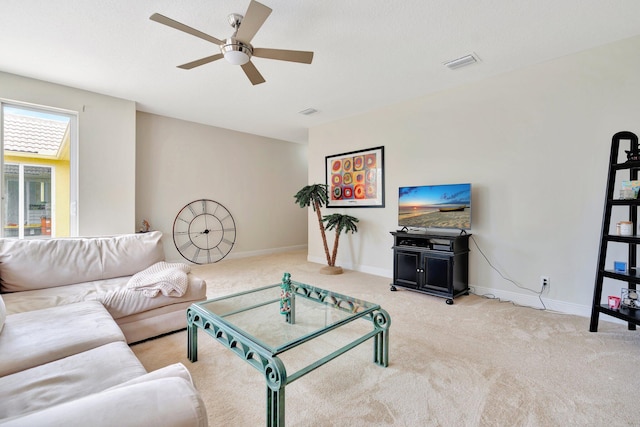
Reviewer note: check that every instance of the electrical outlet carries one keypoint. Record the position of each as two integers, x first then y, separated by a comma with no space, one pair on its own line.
544,281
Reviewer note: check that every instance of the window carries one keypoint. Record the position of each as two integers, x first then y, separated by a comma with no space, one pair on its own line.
38,171
28,200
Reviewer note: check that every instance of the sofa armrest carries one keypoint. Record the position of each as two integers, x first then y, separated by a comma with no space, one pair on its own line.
167,402
177,370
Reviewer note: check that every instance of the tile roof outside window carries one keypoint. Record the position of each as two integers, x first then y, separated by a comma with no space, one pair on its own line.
34,135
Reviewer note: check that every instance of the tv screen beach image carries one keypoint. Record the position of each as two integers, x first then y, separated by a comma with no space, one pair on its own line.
437,206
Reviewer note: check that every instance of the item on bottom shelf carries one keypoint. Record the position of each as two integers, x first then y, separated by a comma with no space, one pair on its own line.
620,266
629,298
614,302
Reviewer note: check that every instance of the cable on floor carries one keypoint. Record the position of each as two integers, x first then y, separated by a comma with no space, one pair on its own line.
491,296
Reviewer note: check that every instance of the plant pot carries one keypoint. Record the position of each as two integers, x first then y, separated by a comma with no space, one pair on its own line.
330,270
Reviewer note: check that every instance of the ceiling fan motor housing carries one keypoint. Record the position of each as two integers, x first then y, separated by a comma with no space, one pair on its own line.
235,19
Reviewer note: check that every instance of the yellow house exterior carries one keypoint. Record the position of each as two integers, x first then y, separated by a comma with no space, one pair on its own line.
61,176
60,184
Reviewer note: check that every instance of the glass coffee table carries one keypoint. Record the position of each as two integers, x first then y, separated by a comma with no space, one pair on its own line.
262,323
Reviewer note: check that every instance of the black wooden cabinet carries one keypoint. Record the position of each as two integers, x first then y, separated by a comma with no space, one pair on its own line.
433,263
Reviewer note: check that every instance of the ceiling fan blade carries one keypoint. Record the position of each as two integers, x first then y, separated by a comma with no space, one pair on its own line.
199,62
252,73
184,28
256,14
284,55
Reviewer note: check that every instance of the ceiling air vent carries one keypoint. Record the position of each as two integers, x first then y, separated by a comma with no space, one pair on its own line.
308,111
461,62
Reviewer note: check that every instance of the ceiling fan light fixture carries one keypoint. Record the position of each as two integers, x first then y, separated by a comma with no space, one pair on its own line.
236,52
236,57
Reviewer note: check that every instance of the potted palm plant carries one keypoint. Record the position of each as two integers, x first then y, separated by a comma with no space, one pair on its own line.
338,222
315,195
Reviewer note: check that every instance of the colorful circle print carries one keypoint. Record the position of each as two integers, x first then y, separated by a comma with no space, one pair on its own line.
371,176
358,163
354,177
347,192
337,193
370,161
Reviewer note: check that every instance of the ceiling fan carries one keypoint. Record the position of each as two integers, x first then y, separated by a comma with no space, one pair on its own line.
237,49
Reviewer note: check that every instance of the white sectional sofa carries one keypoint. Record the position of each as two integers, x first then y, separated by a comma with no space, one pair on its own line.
66,316
42,273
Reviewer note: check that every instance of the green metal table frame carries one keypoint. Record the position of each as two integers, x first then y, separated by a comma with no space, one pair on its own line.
266,361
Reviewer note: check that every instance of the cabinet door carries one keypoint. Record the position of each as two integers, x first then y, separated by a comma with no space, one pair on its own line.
407,268
438,272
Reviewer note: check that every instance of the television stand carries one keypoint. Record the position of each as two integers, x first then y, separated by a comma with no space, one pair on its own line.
434,263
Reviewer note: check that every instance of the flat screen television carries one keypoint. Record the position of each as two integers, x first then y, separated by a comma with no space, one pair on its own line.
435,206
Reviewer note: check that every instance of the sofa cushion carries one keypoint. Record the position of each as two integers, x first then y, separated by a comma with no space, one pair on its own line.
152,323
130,253
67,379
123,301
44,263
163,402
3,313
36,337
112,293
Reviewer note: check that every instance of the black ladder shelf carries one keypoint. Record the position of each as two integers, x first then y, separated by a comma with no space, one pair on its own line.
632,275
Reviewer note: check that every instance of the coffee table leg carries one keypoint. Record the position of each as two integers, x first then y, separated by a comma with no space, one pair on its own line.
192,338
276,376
275,407
381,322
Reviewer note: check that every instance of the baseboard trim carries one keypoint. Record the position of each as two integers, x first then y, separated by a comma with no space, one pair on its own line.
531,300
247,254
517,298
349,266
534,302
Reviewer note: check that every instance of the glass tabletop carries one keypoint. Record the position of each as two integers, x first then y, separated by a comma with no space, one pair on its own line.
256,314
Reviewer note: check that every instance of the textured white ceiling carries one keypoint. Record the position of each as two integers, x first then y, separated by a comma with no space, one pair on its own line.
368,53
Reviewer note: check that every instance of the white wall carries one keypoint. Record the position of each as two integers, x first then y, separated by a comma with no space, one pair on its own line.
535,145
106,194
254,177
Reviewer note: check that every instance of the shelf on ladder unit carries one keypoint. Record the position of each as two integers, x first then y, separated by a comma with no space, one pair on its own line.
631,277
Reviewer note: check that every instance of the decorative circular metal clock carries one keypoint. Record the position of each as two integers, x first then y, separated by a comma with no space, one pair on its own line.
204,231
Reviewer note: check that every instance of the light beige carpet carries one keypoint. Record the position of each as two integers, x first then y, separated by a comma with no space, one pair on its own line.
478,362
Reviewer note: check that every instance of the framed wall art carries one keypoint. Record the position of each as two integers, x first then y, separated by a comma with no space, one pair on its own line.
356,179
